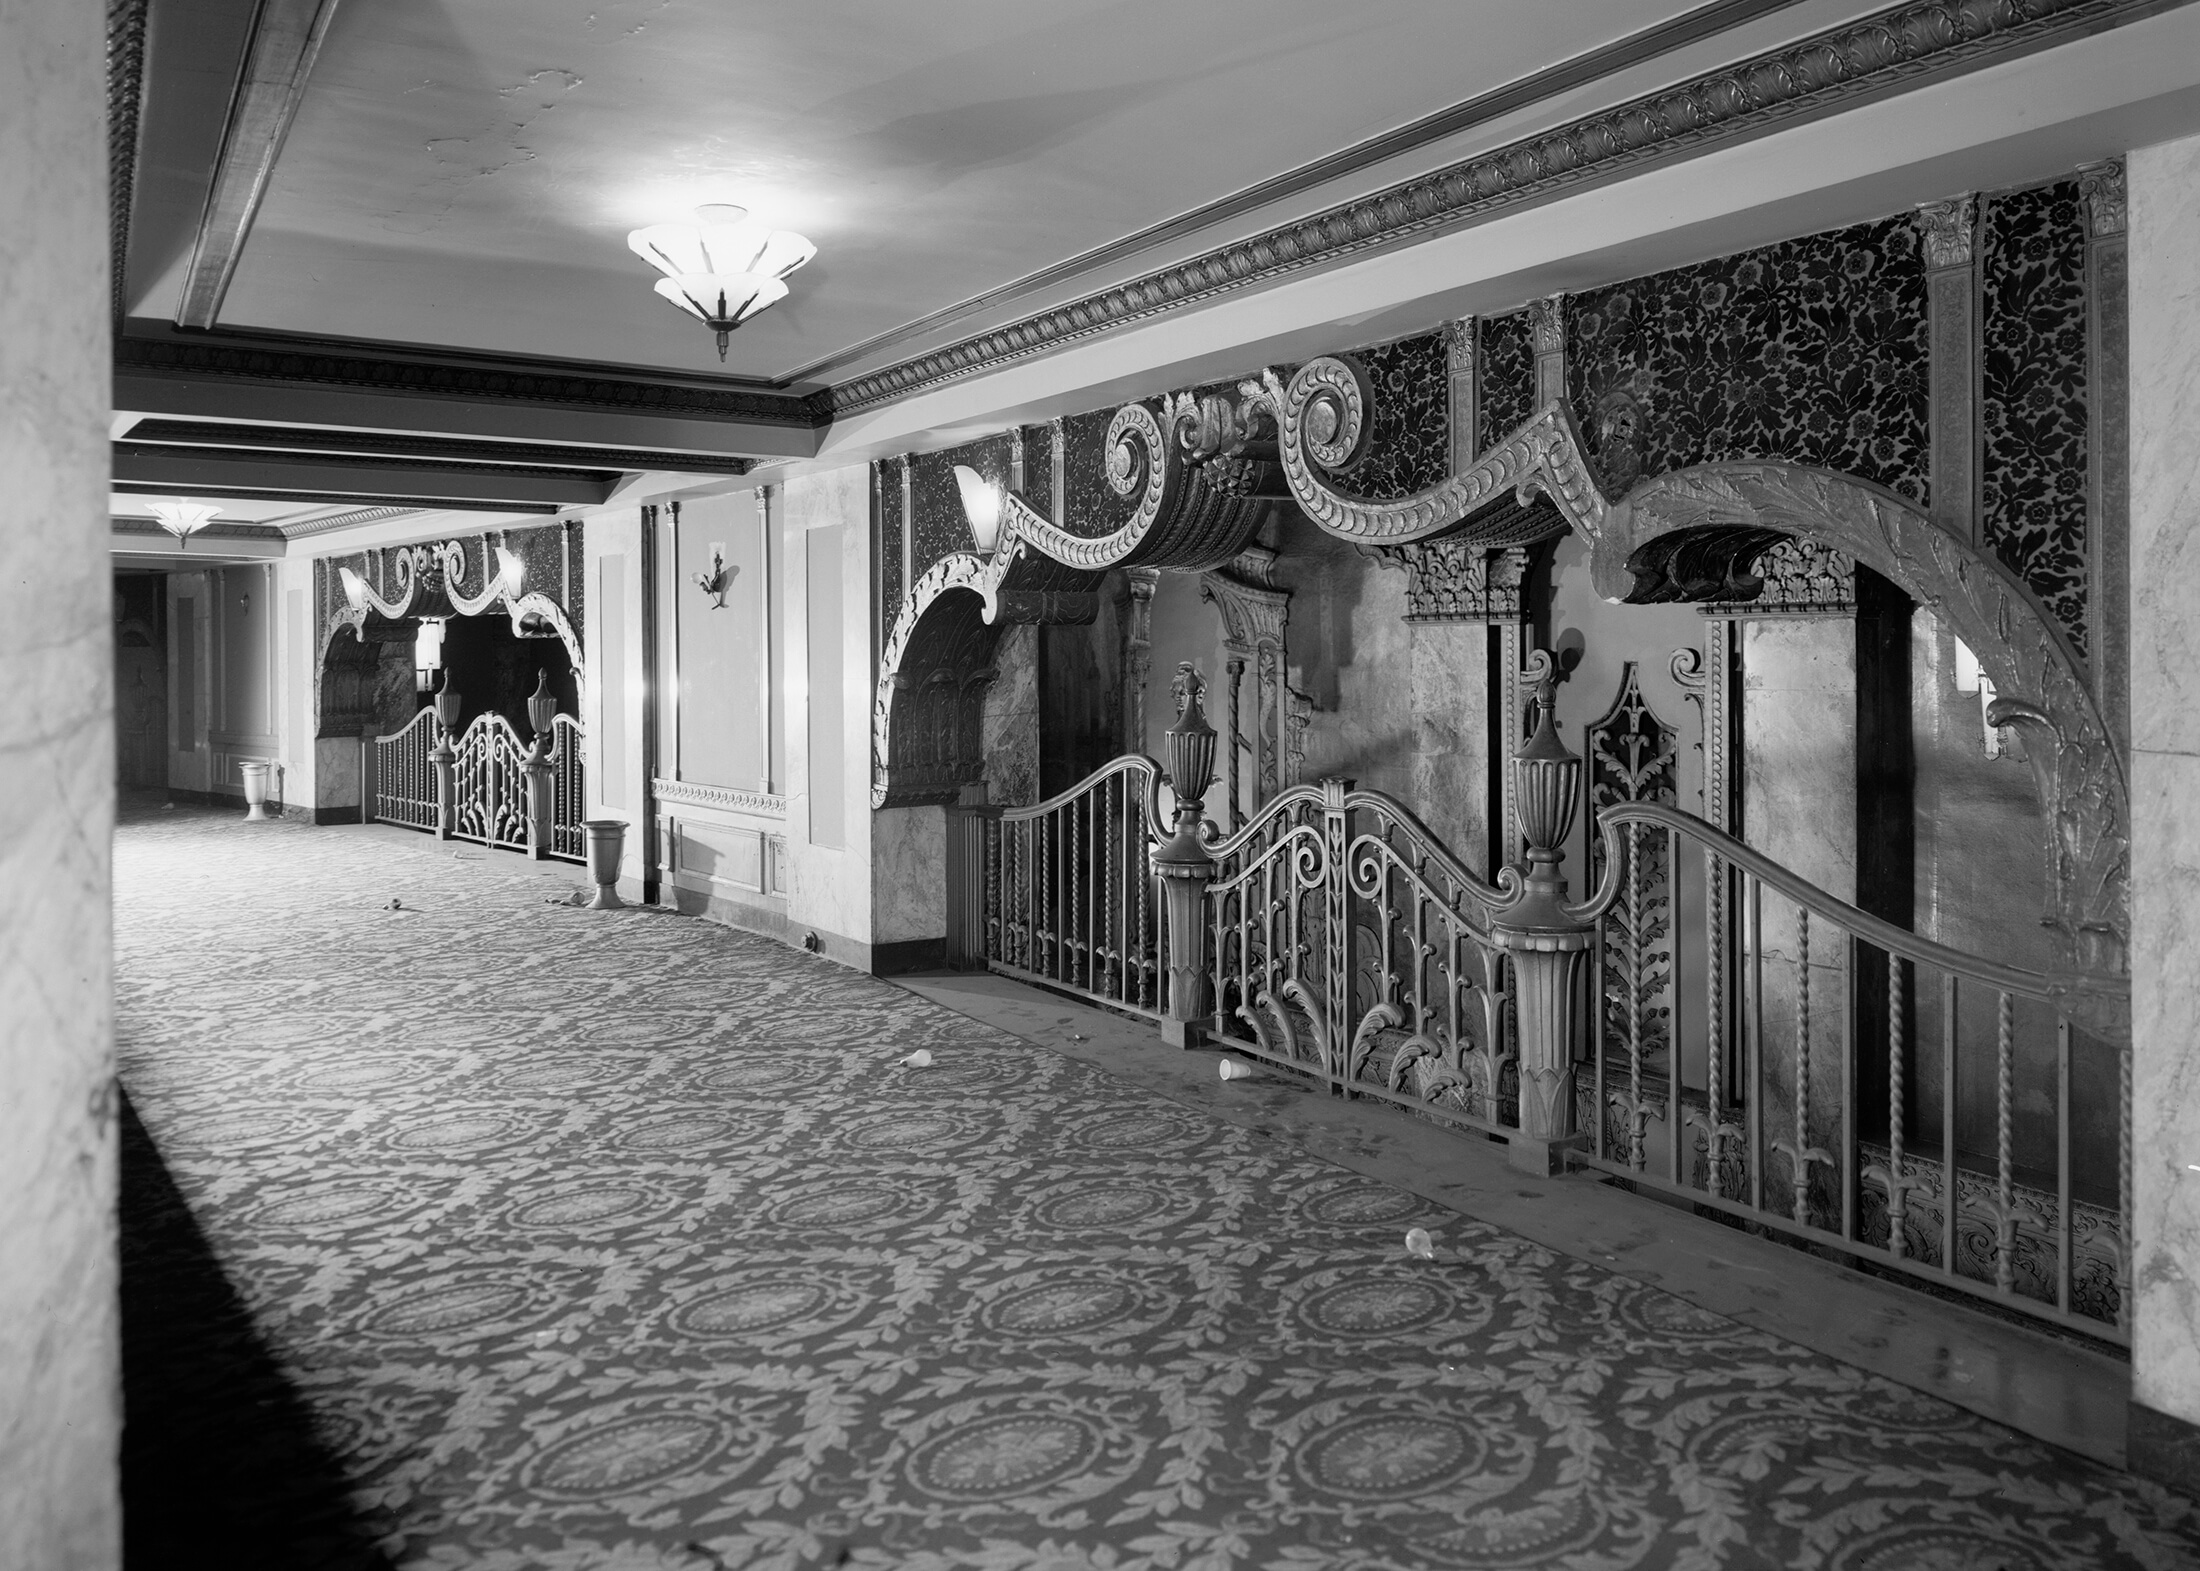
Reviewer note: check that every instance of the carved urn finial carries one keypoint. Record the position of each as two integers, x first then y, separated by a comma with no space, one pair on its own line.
1547,793
1191,748
446,704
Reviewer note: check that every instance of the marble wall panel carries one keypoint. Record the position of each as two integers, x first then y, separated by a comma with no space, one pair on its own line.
2165,864
1011,722
908,874
59,1404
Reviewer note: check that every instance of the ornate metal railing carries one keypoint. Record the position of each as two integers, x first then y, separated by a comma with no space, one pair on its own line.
1838,1079
1070,896
484,786
569,785
1346,943
1783,1058
491,790
401,778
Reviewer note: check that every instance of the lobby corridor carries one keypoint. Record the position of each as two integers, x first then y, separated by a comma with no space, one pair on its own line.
489,1232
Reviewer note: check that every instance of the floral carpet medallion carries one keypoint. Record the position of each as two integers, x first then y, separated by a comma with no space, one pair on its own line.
494,1233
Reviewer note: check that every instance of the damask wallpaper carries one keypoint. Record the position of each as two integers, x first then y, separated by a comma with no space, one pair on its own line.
1813,350
1504,364
1409,427
2032,407
886,476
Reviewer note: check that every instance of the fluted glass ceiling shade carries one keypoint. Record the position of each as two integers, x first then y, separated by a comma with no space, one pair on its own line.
183,519
723,268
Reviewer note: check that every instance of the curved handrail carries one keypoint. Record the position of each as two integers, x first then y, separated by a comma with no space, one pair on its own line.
1877,931
400,733
1128,763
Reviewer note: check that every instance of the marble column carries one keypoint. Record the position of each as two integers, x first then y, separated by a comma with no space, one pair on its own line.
2164,187
1452,735
59,1404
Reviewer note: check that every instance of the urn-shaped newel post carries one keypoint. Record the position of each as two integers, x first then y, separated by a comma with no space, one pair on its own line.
444,757
1183,863
1548,943
542,711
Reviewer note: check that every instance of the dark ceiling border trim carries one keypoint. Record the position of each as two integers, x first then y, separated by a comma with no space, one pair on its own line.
423,504
122,452
125,93
362,368
1899,49
186,435
1620,55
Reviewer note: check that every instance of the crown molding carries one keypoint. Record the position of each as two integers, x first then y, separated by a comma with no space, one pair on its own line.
1898,50
379,369
126,524
125,93
306,528
1622,54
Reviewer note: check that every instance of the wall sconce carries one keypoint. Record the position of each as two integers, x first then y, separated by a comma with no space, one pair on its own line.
982,504
511,572
718,580
355,588
1971,677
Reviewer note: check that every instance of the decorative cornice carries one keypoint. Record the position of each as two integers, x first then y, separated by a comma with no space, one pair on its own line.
1948,229
124,524
364,368
2102,186
1905,47
1453,579
125,91
689,793
307,528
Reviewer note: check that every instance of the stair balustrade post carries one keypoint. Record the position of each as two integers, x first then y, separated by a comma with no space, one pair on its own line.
540,772
445,759
1184,865
1546,939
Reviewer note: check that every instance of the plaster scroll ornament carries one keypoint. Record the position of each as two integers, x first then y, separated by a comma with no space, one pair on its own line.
1321,420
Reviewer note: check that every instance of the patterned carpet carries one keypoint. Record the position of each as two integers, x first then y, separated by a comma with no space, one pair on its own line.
493,1233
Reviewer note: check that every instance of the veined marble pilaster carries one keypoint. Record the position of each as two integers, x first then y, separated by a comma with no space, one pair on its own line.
2108,463
2164,187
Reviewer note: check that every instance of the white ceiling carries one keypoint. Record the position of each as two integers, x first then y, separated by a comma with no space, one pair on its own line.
463,172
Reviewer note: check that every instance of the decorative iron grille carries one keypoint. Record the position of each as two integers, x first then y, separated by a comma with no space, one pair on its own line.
491,798
1070,896
1348,944
403,790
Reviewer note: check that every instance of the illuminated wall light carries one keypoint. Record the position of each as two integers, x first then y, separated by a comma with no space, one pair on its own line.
982,505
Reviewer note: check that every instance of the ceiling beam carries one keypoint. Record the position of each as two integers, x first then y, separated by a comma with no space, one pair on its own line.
353,386
237,471
311,439
286,35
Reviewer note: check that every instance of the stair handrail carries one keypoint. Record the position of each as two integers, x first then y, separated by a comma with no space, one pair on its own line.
1127,763
2054,988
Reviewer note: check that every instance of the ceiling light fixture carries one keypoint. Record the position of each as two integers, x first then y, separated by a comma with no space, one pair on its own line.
183,519
722,269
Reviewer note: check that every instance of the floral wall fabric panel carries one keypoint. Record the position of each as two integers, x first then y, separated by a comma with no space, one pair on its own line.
1409,425
1505,365
2032,404
1812,351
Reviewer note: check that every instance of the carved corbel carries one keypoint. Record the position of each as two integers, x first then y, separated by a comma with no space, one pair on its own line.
1321,422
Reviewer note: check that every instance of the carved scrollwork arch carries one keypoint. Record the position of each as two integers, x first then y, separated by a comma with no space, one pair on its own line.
1695,534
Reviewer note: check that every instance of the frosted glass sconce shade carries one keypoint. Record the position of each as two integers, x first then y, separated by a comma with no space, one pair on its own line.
981,500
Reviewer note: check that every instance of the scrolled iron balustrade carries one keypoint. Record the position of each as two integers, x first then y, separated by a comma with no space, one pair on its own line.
1822,1090
1336,938
483,785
